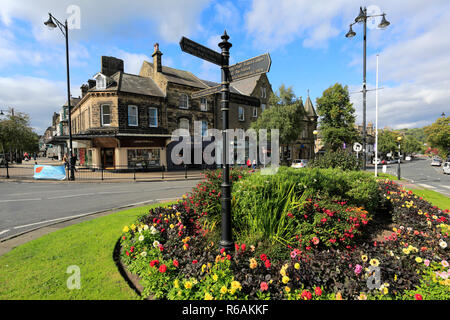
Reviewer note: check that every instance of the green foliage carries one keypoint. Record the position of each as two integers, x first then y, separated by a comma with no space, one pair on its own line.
337,117
438,135
16,134
340,159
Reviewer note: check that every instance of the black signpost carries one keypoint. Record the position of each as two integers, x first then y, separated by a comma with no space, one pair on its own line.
242,70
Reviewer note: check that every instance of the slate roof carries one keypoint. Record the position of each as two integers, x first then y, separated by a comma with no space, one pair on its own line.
180,77
309,108
246,86
125,82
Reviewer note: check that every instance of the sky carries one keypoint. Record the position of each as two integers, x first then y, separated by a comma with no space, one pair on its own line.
305,39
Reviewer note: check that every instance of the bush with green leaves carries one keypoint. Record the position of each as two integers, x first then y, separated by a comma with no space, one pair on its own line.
340,159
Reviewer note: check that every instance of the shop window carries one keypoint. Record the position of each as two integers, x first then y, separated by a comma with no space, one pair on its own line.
143,158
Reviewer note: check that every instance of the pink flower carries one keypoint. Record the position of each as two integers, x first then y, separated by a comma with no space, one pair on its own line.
293,254
358,269
264,286
426,262
315,240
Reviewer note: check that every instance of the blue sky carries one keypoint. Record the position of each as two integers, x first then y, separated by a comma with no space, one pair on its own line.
306,41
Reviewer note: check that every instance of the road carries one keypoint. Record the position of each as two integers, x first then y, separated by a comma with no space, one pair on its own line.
25,206
420,172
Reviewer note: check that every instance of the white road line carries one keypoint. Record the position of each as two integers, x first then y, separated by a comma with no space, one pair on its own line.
4,231
167,199
71,196
426,186
448,187
15,200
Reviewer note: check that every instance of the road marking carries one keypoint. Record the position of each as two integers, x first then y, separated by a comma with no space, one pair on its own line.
448,187
71,196
426,186
167,199
15,200
4,231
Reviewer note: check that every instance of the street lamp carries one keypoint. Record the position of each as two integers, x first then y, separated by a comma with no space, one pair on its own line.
315,133
362,18
399,139
52,23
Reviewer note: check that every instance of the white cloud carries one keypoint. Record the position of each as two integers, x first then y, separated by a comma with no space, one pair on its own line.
38,97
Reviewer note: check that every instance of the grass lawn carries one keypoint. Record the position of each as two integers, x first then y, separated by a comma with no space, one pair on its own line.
37,269
435,198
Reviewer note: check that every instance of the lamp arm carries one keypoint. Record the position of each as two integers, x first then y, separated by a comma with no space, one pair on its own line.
60,25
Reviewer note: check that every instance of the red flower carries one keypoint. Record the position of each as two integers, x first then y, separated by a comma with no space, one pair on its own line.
418,296
236,246
243,247
153,263
195,261
264,286
128,254
318,291
123,237
306,295
131,249
222,250
267,264
162,268
176,263
323,220
161,248
263,257
228,257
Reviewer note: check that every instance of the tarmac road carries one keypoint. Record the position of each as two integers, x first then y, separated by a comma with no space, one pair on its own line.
25,205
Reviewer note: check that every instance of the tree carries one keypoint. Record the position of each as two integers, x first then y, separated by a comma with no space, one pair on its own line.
16,135
438,135
387,142
411,145
285,114
337,117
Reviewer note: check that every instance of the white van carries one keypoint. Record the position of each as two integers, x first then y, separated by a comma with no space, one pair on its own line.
446,168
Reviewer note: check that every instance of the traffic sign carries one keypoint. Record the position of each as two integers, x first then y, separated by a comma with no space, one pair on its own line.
200,51
206,92
250,67
357,147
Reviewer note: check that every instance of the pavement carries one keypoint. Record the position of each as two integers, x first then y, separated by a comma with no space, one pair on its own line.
420,174
25,207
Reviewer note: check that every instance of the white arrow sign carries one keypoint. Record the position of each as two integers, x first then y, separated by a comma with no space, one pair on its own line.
357,147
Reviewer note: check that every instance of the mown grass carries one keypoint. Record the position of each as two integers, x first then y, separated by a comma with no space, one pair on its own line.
37,270
435,198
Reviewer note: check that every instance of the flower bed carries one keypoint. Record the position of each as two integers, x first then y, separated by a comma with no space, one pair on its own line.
173,251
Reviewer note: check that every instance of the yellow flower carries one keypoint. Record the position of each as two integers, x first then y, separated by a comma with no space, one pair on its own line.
283,272
395,277
171,226
362,296
364,258
419,259
287,289
374,262
236,285
176,283
338,296
208,296
385,290
394,229
133,227
125,229
203,267
178,213
215,277
253,263
405,250
285,279
223,290
188,285
297,266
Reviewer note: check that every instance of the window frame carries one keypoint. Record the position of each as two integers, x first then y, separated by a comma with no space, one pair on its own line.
131,107
239,113
182,96
204,106
102,114
204,130
188,122
156,118
255,112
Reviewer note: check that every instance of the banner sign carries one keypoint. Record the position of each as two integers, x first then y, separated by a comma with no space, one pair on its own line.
42,172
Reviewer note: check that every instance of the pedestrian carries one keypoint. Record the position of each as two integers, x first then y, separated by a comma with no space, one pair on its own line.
66,163
254,164
249,163
34,156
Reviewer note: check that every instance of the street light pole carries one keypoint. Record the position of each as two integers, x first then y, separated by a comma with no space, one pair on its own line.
399,139
362,18
65,31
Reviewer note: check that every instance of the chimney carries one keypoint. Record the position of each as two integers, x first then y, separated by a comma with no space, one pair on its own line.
84,90
111,65
157,65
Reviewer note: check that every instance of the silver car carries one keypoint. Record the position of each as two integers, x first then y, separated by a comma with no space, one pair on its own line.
299,163
446,168
436,162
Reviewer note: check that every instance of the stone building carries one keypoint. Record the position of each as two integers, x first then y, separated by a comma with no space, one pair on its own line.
125,120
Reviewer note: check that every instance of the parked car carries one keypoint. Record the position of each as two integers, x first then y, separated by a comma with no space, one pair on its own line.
299,163
408,158
446,168
436,162
392,161
378,161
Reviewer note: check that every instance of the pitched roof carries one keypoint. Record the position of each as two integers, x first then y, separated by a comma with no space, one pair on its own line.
246,86
126,82
180,77
309,108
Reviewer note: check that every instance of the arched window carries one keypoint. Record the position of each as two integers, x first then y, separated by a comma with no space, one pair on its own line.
184,101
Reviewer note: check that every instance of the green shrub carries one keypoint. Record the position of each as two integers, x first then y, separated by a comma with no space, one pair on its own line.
337,159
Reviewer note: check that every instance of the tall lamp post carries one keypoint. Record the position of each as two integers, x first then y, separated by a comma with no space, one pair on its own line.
52,23
362,18
399,139
315,133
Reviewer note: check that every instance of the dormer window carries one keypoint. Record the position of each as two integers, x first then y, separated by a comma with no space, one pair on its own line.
100,81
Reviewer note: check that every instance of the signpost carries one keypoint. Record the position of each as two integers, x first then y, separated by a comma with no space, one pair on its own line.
242,70
250,67
357,147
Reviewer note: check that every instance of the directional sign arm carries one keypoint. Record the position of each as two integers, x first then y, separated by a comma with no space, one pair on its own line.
200,51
